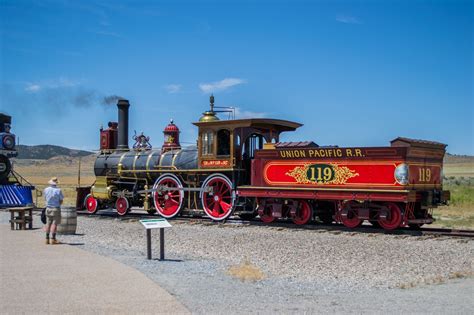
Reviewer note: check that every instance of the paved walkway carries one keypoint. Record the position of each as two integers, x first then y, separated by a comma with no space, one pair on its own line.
40,278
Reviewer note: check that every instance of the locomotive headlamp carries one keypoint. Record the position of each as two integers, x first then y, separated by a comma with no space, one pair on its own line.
8,142
402,174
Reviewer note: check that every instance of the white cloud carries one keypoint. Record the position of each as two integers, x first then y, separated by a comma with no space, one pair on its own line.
348,19
32,88
173,88
220,85
242,114
62,82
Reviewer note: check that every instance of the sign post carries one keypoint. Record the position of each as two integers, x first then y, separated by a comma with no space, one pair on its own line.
155,224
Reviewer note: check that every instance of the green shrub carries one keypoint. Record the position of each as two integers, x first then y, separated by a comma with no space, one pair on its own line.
461,194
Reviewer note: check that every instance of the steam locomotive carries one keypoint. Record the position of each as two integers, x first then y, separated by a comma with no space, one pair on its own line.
239,166
14,191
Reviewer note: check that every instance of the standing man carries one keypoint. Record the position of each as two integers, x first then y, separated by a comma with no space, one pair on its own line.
54,198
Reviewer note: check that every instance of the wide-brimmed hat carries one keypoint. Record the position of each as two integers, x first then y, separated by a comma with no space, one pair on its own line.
53,181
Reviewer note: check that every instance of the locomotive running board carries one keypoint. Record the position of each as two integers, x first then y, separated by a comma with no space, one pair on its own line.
327,193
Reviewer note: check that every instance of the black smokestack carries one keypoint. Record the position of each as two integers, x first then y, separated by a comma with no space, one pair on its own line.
123,106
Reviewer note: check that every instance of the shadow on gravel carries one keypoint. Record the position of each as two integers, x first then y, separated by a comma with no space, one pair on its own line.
74,244
170,260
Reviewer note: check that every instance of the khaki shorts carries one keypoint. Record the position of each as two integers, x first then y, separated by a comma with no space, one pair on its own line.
53,216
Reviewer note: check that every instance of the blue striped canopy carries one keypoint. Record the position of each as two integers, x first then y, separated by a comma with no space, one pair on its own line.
16,196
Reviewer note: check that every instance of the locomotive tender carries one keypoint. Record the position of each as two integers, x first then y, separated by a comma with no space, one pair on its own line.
239,166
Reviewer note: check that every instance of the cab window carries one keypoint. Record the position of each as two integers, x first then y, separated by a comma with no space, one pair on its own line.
253,142
207,143
223,142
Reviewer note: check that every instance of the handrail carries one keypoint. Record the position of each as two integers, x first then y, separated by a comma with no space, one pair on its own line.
21,179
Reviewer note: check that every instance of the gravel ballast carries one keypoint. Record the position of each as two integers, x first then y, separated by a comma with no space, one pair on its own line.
304,270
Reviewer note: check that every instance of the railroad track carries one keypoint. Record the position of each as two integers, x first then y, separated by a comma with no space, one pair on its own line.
447,232
288,224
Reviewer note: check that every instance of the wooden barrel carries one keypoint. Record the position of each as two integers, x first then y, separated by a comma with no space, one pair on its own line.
68,221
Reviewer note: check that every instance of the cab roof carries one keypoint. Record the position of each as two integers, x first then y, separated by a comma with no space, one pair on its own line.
258,123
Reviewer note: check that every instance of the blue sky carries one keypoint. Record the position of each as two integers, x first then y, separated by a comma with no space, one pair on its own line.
355,73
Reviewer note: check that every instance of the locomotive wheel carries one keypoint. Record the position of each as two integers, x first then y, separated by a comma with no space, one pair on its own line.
168,203
92,205
122,205
394,218
304,213
351,220
267,215
219,204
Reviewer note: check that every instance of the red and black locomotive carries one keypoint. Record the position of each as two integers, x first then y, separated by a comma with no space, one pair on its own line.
239,166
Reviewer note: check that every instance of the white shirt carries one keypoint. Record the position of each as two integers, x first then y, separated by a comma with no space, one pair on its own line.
53,196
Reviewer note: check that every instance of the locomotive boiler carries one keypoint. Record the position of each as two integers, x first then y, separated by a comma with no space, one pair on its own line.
239,166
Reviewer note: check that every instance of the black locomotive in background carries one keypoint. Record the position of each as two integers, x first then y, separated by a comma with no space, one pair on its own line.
7,147
13,191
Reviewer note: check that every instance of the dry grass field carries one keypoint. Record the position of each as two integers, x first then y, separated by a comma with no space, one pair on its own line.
458,172
459,166
38,172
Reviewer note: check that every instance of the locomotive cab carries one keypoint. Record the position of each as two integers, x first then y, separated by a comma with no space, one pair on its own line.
230,145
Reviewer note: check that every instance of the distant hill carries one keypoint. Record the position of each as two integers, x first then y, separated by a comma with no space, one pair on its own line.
458,166
455,158
46,151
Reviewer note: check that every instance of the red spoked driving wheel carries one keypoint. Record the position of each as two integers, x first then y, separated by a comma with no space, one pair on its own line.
92,205
394,217
169,198
122,205
217,197
351,220
303,213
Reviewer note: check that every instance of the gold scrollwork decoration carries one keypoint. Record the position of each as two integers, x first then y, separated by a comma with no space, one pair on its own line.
339,177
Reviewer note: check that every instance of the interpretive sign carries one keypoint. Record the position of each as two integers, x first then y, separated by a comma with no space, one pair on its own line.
155,224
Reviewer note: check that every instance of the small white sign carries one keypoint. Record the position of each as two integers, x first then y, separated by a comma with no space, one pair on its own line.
155,223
